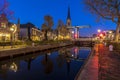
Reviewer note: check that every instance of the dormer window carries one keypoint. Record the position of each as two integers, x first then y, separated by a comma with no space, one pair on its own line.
3,25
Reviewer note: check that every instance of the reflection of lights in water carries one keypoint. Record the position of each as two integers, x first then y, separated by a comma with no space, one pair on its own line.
76,52
48,53
4,66
72,55
68,60
13,67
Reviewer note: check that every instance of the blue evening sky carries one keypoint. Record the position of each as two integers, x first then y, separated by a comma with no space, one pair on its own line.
34,11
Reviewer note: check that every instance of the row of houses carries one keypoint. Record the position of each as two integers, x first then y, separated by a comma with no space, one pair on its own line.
29,31
10,31
106,35
13,32
7,28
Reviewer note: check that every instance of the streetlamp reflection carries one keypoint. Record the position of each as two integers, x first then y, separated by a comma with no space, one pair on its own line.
13,67
47,63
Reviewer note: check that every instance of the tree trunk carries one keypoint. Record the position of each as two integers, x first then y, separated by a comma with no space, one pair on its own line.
117,32
29,34
46,35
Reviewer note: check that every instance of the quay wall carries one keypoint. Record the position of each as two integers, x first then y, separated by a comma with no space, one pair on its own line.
27,50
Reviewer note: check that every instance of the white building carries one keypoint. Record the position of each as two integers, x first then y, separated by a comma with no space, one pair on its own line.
30,32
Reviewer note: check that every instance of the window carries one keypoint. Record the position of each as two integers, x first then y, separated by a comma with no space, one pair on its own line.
3,25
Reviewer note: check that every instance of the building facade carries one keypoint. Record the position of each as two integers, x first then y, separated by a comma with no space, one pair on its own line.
8,30
30,32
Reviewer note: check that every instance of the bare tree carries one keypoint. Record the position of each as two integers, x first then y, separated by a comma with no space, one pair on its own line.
59,26
47,25
107,9
4,9
62,29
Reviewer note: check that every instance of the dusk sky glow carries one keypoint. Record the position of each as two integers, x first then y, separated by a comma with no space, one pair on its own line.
34,11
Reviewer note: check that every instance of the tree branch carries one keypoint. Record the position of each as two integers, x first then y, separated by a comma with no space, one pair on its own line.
109,18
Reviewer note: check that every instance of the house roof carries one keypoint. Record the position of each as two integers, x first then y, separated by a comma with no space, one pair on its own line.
27,25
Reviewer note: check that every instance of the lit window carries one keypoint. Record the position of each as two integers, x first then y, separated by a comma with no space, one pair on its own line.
3,25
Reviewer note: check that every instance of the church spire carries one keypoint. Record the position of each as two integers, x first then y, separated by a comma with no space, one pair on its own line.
68,16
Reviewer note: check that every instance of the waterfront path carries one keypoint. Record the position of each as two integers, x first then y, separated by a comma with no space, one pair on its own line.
101,65
29,49
109,64
90,70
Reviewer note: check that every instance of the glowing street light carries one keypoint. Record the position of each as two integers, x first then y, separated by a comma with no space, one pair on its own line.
73,32
11,29
101,35
98,30
110,32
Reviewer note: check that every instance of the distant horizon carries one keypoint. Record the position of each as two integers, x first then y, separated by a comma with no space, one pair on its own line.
34,12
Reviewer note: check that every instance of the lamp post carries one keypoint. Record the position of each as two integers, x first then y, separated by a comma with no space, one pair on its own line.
13,30
100,35
73,33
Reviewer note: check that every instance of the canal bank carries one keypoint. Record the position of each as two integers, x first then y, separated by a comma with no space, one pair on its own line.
89,70
102,65
54,64
30,49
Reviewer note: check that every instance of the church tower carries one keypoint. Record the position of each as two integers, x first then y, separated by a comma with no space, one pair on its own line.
68,18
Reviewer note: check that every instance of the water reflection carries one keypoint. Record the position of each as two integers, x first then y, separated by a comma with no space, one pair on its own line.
64,62
6,66
13,67
29,61
66,55
47,63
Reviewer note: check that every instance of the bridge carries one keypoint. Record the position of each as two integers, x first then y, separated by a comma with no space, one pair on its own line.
76,30
76,59
86,41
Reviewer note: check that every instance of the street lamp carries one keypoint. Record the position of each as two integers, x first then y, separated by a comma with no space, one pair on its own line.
98,30
13,29
73,33
98,34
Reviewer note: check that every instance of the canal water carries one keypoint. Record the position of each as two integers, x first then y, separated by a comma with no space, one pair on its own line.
59,64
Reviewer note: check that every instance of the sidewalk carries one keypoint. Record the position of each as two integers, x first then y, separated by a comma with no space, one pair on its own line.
109,64
9,47
102,66
90,70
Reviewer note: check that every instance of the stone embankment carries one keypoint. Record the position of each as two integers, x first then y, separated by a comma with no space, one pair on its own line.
89,70
31,49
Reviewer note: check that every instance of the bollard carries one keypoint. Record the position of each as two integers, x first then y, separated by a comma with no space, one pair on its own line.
110,47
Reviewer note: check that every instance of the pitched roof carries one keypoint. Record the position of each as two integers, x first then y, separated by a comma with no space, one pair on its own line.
27,25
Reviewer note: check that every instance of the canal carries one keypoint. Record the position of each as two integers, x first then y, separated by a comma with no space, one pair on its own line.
58,64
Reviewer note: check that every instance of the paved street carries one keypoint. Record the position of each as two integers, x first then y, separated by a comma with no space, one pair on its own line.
102,65
109,64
